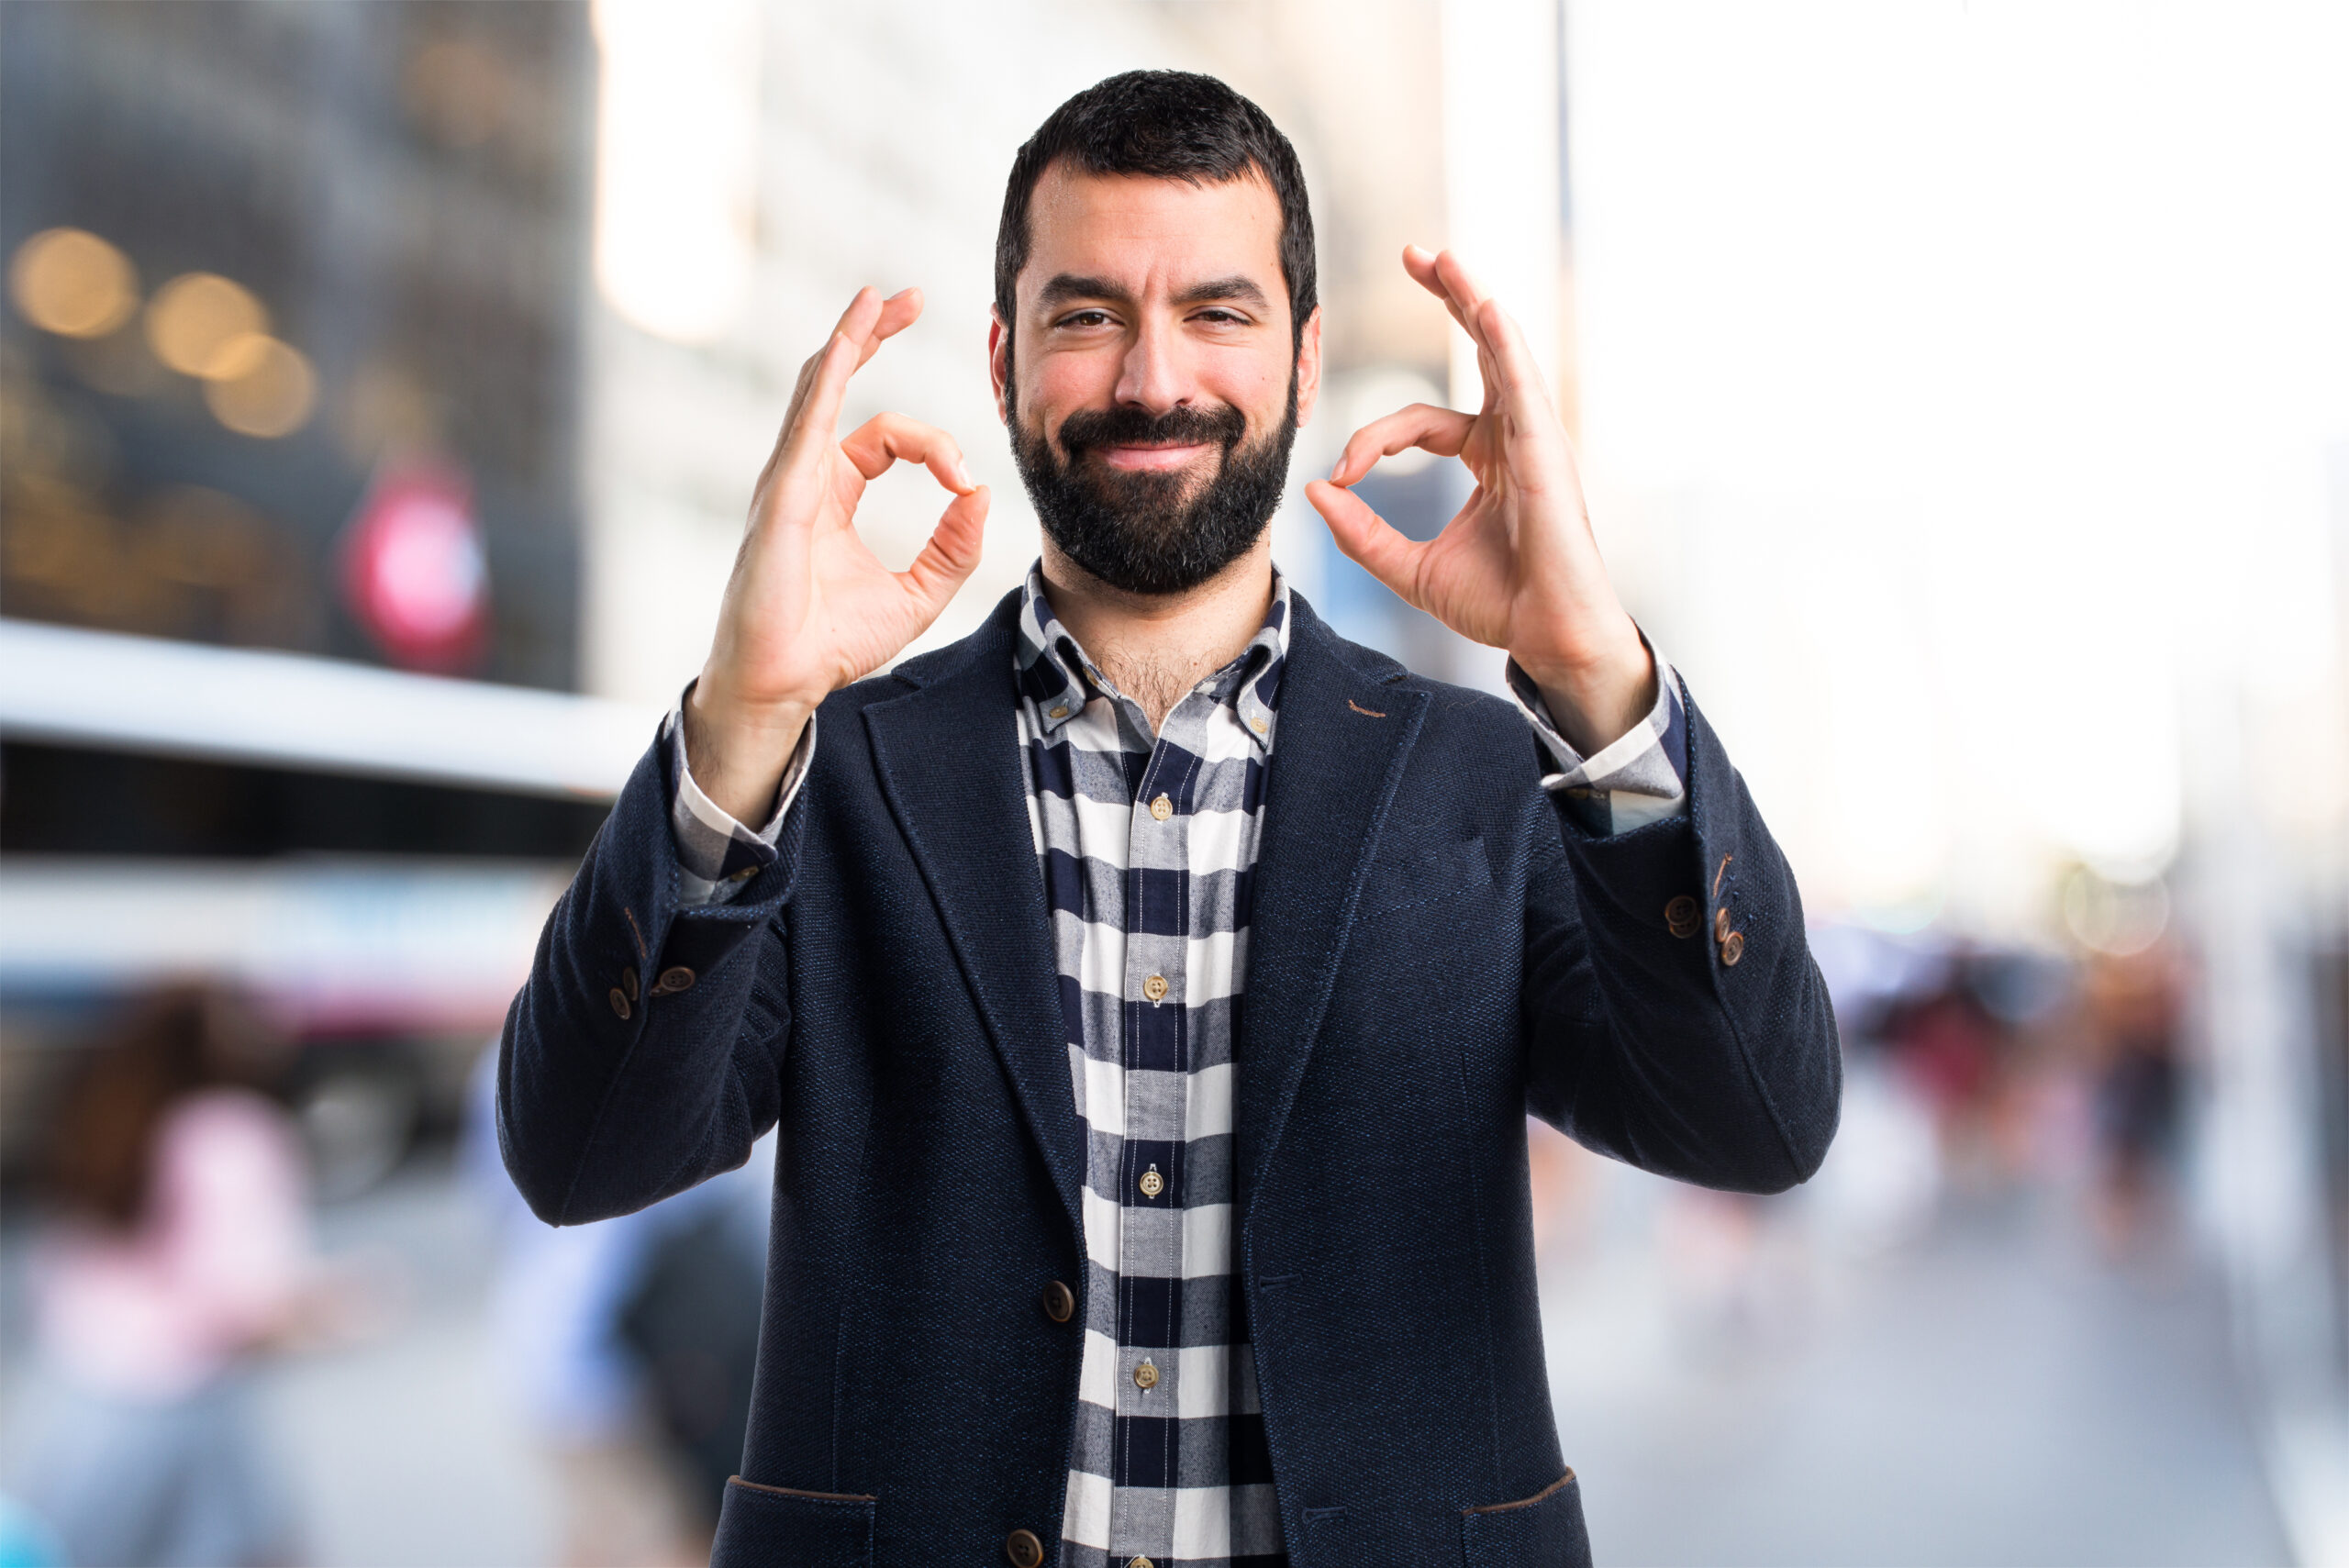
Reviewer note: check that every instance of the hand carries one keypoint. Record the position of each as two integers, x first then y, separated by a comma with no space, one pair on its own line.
1517,567
808,608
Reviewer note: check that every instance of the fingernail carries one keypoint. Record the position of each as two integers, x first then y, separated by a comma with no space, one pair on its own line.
962,472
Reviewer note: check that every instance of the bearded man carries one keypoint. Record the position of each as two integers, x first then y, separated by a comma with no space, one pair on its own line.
1152,986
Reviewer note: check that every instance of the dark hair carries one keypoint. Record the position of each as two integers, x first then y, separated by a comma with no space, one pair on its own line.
1171,125
167,1045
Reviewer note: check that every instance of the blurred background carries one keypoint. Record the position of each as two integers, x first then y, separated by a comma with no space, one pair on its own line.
1962,390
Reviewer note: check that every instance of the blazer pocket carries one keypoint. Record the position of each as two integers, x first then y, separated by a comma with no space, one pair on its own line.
776,1526
1425,875
1544,1530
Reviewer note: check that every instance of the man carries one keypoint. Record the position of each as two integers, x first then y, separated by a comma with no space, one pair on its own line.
1152,986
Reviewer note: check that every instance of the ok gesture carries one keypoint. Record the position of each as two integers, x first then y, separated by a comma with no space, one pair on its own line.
809,607
1517,567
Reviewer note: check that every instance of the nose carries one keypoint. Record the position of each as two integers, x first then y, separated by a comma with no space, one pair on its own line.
1154,375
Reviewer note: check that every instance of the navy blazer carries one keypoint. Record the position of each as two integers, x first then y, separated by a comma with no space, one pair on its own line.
1435,951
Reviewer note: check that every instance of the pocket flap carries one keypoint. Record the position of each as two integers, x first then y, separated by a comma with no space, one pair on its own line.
777,1526
1544,1530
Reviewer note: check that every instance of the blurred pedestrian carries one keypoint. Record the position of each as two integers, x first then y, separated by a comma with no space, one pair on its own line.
179,1252
2135,1005
628,1346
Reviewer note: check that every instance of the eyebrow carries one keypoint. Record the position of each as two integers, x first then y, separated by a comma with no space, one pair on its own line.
1067,286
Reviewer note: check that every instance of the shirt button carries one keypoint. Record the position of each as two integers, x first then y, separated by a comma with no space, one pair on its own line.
619,1003
1257,724
1145,1376
745,874
1024,1550
1161,808
1151,1182
1060,712
1141,1562
1154,988
1680,916
1733,948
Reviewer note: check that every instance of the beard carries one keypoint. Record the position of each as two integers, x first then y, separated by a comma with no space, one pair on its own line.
1138,532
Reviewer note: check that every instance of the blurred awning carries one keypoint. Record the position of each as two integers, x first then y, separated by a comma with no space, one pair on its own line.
140,693
330,944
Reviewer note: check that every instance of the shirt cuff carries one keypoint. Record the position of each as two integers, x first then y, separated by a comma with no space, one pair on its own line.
716,854
1639,778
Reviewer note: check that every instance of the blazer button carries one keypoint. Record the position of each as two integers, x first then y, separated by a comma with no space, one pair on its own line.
1059,1302
1680,916
619,1003
674,979
1733,948
1024,1550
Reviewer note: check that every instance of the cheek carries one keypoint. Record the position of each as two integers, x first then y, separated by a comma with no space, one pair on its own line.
1256,382
1051,386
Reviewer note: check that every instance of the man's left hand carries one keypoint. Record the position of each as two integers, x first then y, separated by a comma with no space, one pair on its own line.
1517,567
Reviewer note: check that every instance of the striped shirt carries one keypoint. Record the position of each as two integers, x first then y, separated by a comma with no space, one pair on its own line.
1147,846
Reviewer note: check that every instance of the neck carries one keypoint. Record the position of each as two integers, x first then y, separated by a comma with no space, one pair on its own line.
1155,647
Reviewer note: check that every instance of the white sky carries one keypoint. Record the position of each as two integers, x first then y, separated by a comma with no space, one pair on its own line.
1957,382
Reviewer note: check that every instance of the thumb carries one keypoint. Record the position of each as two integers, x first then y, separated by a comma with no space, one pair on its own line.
1369,539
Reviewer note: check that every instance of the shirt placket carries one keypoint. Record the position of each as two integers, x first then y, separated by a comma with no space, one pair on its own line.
1157,1086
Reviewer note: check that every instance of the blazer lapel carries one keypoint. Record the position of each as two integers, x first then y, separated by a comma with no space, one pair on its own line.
948,757
1338,755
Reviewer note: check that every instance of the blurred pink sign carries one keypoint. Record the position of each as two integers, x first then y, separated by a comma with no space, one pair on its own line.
413,570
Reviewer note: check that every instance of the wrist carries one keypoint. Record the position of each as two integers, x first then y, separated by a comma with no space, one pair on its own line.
737,751
713,708
1599,698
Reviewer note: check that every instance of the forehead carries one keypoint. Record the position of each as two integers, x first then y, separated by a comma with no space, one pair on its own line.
1151,236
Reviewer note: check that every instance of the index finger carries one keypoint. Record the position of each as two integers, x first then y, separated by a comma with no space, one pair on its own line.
1442,274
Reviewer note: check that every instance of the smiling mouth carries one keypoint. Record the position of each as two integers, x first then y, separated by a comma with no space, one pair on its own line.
1152,458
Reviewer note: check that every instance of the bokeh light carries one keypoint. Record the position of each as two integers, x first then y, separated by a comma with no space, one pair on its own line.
196,315
271,392
70,281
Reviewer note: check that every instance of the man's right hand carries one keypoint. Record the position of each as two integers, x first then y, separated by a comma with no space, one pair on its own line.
808,608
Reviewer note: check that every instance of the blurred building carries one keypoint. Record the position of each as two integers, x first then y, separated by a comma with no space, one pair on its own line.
305,245
290,394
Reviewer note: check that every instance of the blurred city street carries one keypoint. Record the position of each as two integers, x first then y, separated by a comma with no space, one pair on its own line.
1988,1391
1960,394
1992,1392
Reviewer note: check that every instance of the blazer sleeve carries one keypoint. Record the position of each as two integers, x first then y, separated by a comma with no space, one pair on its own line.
1675,1018
643,1053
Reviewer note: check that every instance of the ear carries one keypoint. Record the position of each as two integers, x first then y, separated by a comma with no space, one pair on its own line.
1308,367
998,360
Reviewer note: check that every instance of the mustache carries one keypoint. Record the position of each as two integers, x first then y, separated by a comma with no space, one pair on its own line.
1126,426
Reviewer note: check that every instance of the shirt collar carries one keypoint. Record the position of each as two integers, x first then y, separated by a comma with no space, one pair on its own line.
1057,678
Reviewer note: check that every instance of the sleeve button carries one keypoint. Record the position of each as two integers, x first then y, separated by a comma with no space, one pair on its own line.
674,979
619,1003
1733,948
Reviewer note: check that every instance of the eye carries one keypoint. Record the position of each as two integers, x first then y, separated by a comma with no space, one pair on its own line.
1219,316
1088,318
